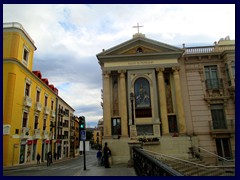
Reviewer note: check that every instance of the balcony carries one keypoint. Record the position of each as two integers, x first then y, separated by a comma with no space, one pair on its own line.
45,134
46,110
60,124
27,101
61,112
227,127
52,113
38,106
37,134
25,133
214,84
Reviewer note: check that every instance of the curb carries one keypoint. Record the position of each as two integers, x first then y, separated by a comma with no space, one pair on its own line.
9,168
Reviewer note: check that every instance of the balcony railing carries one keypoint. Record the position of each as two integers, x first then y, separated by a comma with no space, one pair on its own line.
46,110
212,84
37,134
27,101
45,134
25,133
38,106
208,49
61,111
52,113
222,127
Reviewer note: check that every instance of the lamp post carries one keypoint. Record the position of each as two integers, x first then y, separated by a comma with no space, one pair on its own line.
132,98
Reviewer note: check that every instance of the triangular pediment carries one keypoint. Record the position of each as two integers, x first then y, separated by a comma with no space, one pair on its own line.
140,45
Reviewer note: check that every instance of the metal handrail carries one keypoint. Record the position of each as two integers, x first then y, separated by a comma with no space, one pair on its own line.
220,157
186,161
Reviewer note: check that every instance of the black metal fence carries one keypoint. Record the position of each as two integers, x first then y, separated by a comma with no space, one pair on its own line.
145,165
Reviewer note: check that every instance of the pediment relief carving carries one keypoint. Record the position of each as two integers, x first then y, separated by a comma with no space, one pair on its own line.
146,46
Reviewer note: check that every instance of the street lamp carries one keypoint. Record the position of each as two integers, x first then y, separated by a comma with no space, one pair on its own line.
132,98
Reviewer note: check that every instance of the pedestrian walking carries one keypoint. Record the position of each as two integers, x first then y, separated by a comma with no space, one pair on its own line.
107,154
49,158
38,158
99,156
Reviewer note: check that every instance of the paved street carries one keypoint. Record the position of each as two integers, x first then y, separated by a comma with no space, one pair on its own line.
71,167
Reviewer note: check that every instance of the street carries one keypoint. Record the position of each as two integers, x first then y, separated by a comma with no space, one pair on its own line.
70,167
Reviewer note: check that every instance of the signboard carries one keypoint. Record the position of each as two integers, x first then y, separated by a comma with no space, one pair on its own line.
83,135
86,146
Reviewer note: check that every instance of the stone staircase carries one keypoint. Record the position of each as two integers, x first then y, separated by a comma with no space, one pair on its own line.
197,167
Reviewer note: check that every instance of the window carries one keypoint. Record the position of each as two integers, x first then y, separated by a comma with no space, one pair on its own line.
25,56
46,99
25,118
218,116
44,124
116,126
212,80
52,102
27,90
172,123
223,148
139,50
36,122
38,96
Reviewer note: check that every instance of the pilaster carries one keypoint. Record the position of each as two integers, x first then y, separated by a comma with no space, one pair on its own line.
163,103
106,105
179,101
123,103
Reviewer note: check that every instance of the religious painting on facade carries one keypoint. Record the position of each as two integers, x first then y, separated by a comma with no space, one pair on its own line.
142,93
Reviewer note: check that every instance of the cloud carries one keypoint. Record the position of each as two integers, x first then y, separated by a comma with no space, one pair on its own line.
68,37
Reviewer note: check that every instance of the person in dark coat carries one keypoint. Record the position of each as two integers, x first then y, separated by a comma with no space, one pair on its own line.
106,153
38,158
49,158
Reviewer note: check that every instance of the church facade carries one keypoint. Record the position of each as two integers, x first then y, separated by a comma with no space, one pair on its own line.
168,99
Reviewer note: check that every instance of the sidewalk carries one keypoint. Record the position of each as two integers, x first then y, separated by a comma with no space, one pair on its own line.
33,164
92,170
115,170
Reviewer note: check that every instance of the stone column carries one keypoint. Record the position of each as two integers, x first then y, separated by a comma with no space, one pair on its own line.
106,105
179,101
163,103
123,104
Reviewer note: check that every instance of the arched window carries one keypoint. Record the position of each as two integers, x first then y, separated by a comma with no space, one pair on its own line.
139,50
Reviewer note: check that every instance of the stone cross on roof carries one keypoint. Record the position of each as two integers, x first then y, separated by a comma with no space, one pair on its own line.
137,27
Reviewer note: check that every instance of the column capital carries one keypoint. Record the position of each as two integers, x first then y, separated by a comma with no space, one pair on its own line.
160,69
106,73
122,71
176,68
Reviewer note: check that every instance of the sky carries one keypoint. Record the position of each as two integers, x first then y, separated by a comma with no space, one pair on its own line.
68,37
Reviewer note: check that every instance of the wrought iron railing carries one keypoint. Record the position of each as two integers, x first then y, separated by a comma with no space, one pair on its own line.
146,165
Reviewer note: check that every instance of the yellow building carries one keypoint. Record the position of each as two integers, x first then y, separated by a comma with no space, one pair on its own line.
29,101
